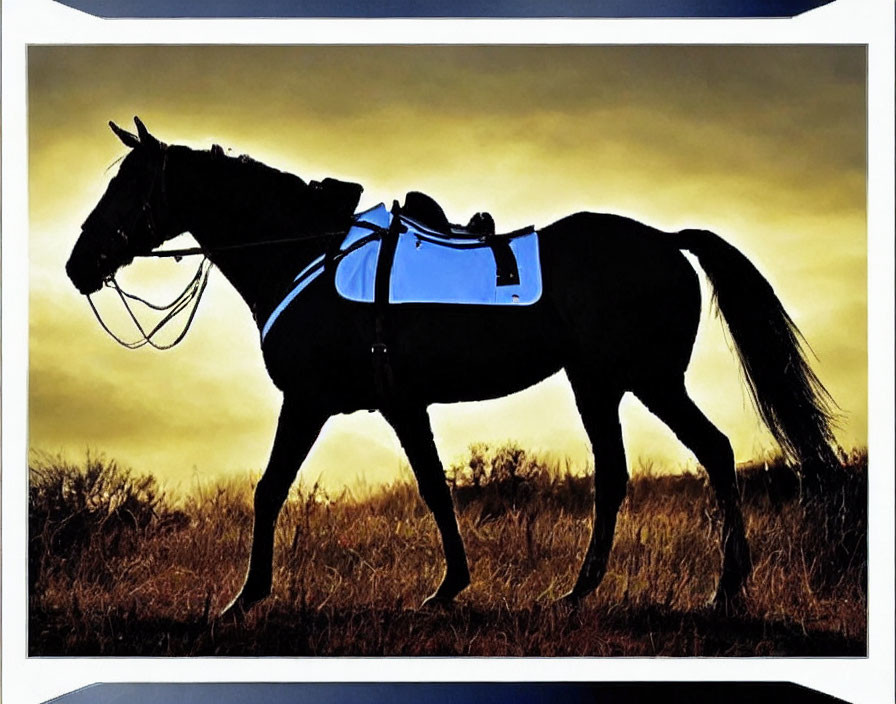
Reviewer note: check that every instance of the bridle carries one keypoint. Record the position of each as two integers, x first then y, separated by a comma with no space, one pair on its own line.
192,293
190,296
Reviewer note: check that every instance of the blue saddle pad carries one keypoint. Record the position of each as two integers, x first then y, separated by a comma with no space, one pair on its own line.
426,272
422,271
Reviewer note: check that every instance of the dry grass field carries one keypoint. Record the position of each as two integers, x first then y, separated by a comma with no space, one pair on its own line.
117,568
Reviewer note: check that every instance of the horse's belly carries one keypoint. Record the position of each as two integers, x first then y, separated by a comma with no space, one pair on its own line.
458,353
437,353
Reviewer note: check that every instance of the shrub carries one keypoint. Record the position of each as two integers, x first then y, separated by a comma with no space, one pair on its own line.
81,518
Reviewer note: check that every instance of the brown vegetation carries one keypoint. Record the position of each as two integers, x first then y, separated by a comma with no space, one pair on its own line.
116,568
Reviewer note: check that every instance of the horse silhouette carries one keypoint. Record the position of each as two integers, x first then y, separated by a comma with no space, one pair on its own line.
619,312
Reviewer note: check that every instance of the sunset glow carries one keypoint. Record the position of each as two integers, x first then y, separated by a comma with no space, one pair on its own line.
764,145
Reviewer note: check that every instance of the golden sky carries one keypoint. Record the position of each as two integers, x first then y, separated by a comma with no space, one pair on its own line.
763,145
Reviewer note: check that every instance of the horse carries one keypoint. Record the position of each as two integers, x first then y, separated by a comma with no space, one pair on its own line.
619,313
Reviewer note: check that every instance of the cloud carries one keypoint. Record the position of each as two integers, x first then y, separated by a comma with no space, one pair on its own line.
766,145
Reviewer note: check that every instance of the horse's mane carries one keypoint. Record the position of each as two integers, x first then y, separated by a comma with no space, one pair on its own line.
245,179
267,177
281,201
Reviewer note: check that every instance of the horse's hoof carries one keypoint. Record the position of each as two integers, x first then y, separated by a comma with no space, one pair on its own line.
729,603
571,600
445,595
233,615
447,591
235,612
436,601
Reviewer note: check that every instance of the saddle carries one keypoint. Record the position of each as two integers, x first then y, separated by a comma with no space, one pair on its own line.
426,211
429,217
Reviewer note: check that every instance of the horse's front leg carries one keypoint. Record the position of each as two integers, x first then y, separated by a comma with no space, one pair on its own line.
411,424
297,429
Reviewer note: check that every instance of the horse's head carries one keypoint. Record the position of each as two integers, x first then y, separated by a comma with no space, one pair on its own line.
131,218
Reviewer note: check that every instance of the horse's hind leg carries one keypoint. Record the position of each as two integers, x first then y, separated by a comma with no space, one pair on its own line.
598,404
411,424
670,402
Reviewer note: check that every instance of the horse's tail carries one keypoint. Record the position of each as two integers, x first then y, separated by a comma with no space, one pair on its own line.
790,398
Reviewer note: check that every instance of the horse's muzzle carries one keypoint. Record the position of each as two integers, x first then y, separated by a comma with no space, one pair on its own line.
86,273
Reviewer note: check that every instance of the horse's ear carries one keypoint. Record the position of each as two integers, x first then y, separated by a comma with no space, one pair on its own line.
130,140
146,139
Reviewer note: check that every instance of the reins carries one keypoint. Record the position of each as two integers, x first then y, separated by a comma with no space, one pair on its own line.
177,254
192,293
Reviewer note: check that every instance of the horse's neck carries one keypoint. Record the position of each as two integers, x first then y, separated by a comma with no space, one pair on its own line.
221,203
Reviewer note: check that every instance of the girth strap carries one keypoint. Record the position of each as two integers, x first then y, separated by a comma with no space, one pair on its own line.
383,376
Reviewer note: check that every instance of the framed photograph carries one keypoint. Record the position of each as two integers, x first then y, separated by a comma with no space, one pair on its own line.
447,349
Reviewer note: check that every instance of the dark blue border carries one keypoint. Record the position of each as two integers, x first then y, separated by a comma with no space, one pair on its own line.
449,693
443,8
